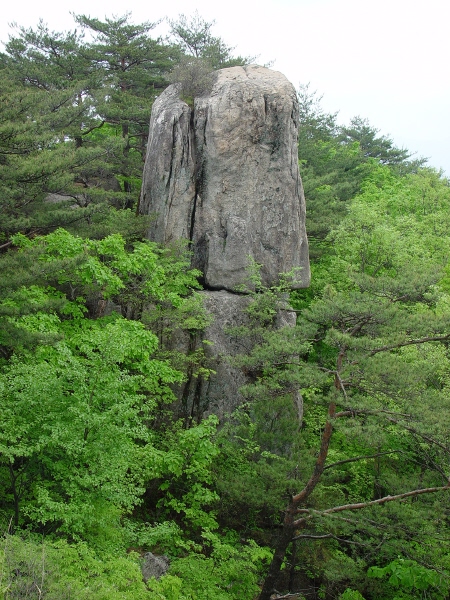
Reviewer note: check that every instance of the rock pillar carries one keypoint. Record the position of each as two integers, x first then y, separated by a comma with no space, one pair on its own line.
224,175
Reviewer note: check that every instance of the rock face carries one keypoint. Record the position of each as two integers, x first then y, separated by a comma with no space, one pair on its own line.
225,176
168,188
220,394
154,566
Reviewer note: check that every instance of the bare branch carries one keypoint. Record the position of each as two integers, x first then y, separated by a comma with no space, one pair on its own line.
341,384
356,458
424,340
307,536
359,505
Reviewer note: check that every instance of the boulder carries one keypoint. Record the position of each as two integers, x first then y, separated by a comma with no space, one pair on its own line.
154,566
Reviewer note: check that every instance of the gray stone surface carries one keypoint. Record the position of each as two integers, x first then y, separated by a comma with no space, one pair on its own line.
154,566
225,176
220,394
168,187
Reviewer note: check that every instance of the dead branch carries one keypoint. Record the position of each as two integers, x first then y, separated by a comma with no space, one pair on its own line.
356,458
360,505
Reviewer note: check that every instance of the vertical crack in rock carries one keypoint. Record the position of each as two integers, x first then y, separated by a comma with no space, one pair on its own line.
169,187
193,147
192,224
266,105
225,176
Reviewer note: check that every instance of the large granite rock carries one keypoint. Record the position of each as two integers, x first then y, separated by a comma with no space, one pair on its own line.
168,188
219,394
225,175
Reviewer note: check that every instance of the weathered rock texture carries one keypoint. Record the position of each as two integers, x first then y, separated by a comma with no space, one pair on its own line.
220,394
154,566
225,176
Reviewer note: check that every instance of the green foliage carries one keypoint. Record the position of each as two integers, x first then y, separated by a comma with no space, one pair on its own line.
411,579
91,453
381,148
331,171
257,466
351,595
59,92
227,569
371,348
93,276
186,473
76,444
59,571
72,425
204,54
334,162
194,77
133,67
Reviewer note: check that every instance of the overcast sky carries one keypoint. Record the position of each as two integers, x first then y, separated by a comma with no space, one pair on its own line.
385,60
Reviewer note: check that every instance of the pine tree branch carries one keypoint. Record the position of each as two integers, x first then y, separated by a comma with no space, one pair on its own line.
329,536
367,411
360,505
320,462
357,458
424,340
419,434
93,127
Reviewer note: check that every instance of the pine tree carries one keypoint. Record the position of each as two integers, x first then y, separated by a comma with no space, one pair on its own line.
133,68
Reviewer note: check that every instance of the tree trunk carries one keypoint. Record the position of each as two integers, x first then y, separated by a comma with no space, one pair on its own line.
287,533
290,524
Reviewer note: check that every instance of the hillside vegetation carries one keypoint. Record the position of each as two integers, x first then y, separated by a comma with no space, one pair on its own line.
347,500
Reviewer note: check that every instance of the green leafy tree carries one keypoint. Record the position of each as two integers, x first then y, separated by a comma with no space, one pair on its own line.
36,568
334,162
72,433
332,172
85,382
411,579
94,273
381,148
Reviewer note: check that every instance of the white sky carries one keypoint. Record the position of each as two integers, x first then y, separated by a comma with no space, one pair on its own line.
385,60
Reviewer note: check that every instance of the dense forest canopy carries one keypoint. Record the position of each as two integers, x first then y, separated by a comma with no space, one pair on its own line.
348,500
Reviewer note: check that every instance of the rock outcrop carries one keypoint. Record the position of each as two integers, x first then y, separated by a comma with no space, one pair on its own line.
224,175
